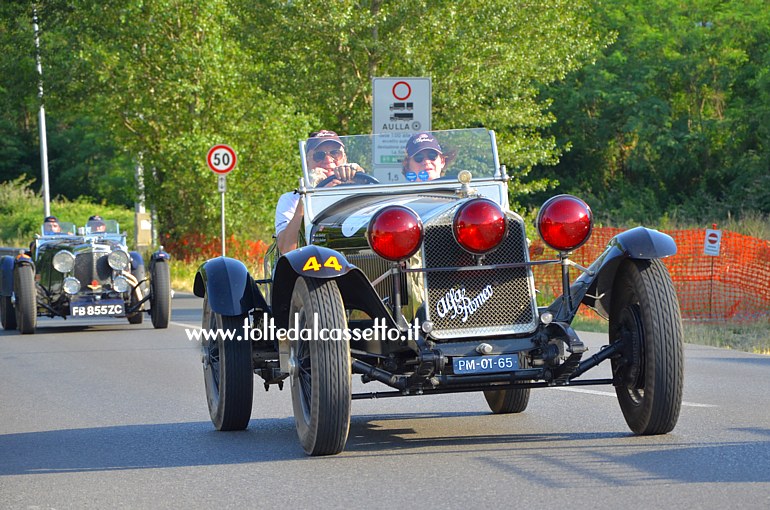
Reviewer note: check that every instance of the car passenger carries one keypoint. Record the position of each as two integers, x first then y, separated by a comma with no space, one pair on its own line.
96,224
51,225
424,159
326,157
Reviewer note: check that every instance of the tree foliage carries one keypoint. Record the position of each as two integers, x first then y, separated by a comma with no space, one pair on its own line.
672,119
648,109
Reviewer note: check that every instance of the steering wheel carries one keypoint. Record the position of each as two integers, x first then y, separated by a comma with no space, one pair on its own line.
359,178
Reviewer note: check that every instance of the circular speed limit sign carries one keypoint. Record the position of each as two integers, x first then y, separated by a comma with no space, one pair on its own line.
221,159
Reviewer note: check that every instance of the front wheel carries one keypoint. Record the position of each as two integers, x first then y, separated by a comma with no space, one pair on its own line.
227,370
26,299
649,374
160,294
320,367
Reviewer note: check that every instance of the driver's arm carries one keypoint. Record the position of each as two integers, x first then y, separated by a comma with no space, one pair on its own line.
288,232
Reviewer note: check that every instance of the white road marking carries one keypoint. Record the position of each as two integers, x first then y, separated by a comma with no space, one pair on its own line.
182,324
610,394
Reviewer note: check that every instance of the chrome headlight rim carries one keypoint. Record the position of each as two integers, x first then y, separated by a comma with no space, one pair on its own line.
121,284
118,260
71,285
64,261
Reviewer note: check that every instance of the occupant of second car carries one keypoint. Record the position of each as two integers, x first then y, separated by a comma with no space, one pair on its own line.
424,160
51,225
326,157
96,224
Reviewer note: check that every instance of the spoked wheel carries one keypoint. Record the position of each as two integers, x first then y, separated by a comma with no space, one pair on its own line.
649,374
7,313
227,370
509,401
138,316
26,298
320,367
160,294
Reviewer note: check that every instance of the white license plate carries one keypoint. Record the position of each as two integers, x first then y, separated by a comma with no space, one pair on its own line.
485,364
97,309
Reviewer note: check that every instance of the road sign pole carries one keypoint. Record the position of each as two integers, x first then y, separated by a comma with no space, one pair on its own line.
223,223
222,183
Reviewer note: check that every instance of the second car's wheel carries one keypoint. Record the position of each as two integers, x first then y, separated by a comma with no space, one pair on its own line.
509,401
160,294
320,367
26,298
139,274
649,374
7,313
227,370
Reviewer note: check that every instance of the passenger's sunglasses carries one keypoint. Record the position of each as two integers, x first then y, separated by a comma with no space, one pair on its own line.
319,156
420,156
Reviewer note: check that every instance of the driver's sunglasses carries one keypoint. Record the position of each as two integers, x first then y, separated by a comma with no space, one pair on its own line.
420,156
319,156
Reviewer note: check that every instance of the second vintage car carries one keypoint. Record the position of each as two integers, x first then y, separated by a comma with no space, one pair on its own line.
84,272
422,281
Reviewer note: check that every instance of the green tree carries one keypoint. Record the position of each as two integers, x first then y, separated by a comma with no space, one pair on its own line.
168,81
669,119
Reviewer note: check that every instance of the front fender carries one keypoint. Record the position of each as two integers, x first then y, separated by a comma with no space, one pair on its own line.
229,286
136,259
159,255
357,292
594,288
318,262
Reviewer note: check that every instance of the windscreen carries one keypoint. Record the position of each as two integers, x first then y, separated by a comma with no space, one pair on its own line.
393,158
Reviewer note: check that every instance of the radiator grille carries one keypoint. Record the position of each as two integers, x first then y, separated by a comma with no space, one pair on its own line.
373,267
92,266
479,303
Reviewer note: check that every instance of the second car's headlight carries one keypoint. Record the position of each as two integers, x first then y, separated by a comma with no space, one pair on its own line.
120,284
71,285
118,260
64,261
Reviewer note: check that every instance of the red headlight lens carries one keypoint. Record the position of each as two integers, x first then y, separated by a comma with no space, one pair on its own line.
565,222
395,233
479,225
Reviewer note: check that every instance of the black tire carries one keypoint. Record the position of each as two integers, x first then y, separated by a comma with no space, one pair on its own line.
139,274
320,371
227,371
160,294
26,299
7,313
509,401
650,374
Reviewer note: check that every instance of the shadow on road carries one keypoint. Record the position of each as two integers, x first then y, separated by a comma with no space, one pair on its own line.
534,456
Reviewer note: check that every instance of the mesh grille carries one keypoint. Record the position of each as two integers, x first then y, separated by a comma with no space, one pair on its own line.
92,266
484,302
373,267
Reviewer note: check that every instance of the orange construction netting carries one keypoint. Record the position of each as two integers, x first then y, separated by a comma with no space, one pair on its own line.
734,285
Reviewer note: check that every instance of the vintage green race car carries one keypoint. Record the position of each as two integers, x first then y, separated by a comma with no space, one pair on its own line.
83,273
426,286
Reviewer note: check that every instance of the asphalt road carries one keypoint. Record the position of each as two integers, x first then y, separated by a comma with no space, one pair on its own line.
108,415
